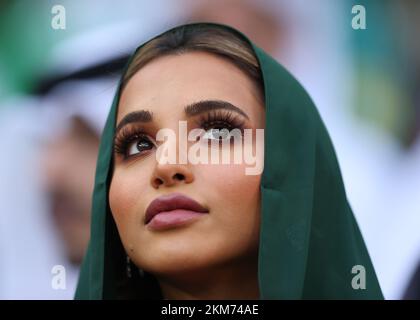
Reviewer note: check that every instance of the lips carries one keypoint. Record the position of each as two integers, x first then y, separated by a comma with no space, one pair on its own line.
172,202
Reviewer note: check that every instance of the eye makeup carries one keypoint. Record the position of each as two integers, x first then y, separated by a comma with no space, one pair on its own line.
133,137
129,135
220,119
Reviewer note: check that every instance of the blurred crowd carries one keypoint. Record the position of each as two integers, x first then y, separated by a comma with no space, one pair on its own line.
56,87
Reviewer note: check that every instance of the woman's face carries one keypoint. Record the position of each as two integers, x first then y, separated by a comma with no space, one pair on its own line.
229,232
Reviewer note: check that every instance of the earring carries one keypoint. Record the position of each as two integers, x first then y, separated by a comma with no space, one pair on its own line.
128,266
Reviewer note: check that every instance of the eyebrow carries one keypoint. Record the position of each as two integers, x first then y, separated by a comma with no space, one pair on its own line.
190,110
208,105
136,116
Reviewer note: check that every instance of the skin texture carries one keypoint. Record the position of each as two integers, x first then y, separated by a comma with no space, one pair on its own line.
210,257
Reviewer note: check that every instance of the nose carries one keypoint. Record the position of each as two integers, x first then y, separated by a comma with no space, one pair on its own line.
171,174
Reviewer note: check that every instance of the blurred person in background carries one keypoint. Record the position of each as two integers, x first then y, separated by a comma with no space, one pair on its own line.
68,190
55,138
69,157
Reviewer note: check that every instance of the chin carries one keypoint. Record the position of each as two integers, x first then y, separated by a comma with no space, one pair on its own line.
181,263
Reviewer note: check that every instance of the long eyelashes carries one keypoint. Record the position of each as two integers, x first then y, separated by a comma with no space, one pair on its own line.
217,119
126,137
220,119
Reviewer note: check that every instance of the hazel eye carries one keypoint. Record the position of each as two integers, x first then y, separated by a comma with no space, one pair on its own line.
138,146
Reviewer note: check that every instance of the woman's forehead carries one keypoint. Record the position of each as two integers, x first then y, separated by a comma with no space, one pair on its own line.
169,83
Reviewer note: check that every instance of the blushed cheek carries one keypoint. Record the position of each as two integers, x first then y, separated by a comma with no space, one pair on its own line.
124,196
232,184
116,201
236,200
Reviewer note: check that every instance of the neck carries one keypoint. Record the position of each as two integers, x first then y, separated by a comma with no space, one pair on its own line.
217,283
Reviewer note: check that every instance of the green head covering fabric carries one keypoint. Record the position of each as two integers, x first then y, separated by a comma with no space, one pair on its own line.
309,239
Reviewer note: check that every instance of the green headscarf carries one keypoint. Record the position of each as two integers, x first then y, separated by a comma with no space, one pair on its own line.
309,239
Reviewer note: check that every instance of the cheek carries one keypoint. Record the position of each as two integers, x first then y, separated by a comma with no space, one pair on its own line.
229,182
125,194
235,198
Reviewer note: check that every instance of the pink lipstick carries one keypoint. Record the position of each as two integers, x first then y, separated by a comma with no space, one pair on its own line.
171,211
